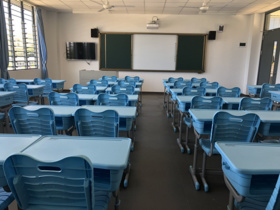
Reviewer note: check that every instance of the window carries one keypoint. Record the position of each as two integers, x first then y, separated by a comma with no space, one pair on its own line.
272,20
22,36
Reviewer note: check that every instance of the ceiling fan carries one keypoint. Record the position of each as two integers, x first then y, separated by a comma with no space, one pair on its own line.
204,7
107,6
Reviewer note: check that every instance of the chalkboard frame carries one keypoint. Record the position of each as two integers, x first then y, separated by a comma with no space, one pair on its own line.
101,42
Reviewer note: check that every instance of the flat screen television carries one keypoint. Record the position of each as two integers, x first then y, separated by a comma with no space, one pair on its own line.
80,50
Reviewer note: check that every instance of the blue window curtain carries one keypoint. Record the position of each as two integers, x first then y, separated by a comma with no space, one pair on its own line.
4,51
42,43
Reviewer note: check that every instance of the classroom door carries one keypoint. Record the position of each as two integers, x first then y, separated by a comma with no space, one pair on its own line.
269,57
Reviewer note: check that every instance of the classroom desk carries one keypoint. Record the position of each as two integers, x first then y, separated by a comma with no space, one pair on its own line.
10,144
270,122
202,123
111,83
109,90
231,102
57,84
109,156
254,89
33,90
250,169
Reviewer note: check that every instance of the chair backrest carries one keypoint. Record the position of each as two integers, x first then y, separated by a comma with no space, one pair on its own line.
129,89
134,79
209,85
266,88
47,82
40,121
198,91
112,100
69,99
228,92
65,184
21,92
172,79
102,124
100,83
255,104
199,102
3,81
13,81
113,78
124,83
181,84
196,80
80,89
227,127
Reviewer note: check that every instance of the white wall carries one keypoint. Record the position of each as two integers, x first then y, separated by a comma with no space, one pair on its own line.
226,62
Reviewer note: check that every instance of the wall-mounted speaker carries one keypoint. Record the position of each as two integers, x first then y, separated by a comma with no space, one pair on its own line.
94,32
212,35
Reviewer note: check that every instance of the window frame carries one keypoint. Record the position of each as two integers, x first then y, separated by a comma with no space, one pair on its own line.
28,43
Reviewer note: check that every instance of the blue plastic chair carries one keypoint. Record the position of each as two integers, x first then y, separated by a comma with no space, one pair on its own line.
48,85
112,100
134,79
80,89
6,198
266,88
113,78
228,92
124,83
181,84
196,80
199,102
13,81
21,97
198,91
69,99
129,90
40,121
255,104
172,79
209,85
103,124
100,83
64,184
227,127
3,81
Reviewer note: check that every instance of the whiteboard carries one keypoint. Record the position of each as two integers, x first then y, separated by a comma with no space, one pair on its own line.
154,52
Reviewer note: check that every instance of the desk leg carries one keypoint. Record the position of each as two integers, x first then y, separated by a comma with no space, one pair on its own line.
175,127
126,172
179,140
164,97
193,167
230,202
167,105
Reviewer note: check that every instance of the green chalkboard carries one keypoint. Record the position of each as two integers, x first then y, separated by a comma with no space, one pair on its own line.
115,51
190,52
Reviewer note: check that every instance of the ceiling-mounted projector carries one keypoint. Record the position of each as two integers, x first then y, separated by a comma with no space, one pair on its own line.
154,24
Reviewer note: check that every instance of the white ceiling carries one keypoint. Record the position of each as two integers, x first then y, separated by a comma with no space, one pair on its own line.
174,7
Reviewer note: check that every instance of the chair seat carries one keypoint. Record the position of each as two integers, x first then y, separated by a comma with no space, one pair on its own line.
6,198
187,121
206,146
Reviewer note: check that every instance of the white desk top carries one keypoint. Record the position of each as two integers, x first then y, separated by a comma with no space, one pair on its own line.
68,111
123,111
179,90
208,114
251,158
94,97
231,100
109,89
267,116
105,153
254,86
7,93
28,86
275,92
14,143
31,80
